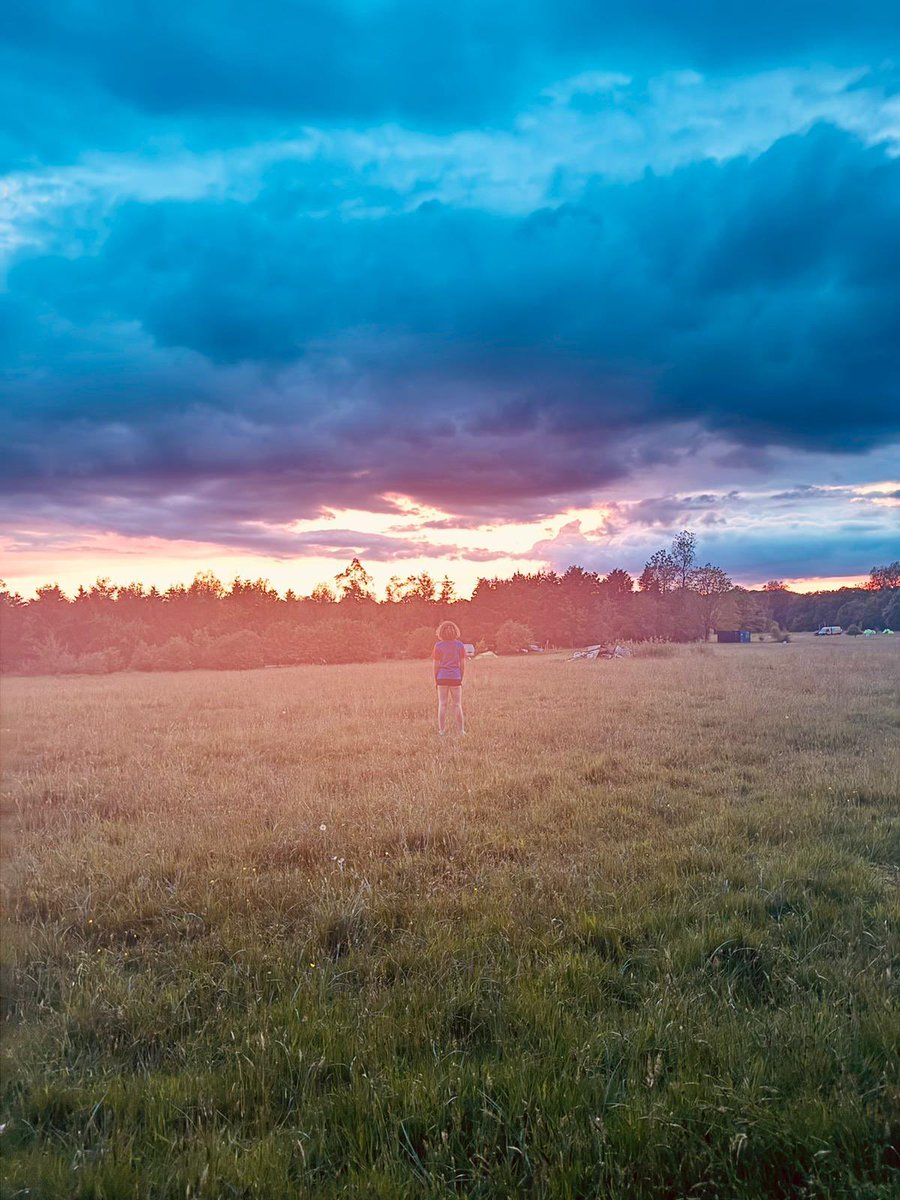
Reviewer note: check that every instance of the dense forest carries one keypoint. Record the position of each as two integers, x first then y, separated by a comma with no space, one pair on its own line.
248,624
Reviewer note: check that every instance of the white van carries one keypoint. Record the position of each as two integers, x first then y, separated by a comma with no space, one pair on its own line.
829,631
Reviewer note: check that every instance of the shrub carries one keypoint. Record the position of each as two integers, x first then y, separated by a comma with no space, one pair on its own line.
49,657
202,652
420,642
344,641
142,657
97,662
512,637
236,651
286,643
173,655
853,631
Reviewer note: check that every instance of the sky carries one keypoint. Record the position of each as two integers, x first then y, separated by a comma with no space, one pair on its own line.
459,288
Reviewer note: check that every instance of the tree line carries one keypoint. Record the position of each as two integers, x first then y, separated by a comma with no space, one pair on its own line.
205,624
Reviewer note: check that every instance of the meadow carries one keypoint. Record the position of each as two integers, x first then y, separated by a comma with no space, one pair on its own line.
634,936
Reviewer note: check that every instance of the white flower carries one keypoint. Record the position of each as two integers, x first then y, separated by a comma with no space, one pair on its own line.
323,828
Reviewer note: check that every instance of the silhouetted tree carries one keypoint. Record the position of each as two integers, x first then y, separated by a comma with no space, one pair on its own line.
322,594
887,577
110,628
448,591
711,585
618,583
355,583
659,575
683,554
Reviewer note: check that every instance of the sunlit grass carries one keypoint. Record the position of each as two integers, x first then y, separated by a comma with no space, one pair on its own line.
632,937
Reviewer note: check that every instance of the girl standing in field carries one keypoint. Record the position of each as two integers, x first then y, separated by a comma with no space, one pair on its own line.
449,657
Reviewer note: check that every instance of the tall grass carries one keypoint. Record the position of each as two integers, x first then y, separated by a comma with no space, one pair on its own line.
635,936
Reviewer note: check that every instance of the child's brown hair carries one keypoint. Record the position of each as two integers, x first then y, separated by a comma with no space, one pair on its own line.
447,631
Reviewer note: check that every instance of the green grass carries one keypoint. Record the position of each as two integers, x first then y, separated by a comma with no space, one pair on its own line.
634,937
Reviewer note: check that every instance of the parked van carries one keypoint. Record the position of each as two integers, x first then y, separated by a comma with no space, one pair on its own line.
829,631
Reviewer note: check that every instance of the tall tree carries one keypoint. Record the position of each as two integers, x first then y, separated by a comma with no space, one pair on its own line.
684,555
777,600
413,587
322,594
712,585
659,575
618,583
354,582
448,591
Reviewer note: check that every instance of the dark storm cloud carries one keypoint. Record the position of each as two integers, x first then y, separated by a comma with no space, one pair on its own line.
79,66
738,291
308,334
759,299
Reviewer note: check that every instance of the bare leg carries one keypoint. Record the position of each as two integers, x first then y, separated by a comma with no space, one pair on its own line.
456,694
442,707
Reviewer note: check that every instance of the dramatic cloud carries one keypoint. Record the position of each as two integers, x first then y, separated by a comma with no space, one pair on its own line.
259,269
768,535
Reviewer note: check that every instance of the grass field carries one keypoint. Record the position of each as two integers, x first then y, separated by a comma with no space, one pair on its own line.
632,937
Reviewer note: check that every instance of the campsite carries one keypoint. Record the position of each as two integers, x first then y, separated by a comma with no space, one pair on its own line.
631,937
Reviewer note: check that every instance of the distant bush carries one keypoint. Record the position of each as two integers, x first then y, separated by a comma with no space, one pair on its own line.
420,642
286,644
512,637
49,657
236,651
853,631
172,655
97,662
141,657
777,634
345,641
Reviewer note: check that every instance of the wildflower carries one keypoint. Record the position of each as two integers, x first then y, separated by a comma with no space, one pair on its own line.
322,828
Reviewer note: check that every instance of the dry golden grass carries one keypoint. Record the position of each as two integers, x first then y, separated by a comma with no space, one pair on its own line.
268,936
